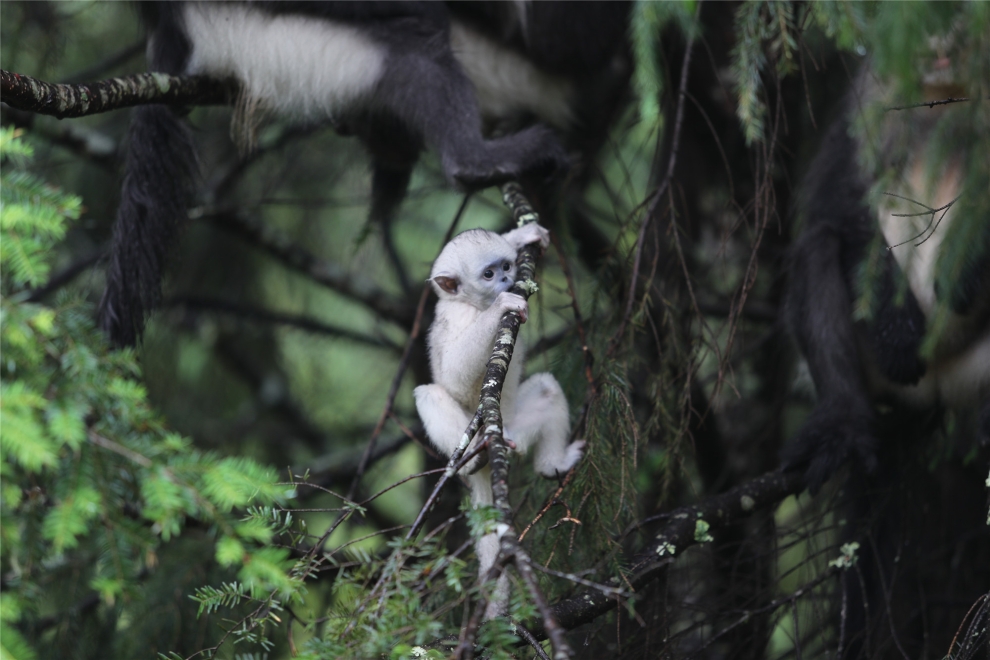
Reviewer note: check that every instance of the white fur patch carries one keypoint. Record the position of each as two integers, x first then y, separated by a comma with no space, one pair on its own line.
962,381
507,83
304,66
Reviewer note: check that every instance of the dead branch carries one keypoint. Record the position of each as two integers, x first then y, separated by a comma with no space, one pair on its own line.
261,315
322,272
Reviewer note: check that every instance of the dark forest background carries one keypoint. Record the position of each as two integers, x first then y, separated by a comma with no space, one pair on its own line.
172,500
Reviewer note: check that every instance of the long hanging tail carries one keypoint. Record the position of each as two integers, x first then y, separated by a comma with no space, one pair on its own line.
158,177
161,163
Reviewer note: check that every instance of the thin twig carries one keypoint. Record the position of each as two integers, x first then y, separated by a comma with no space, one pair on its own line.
63,277
510,549
249,313
532,641
320,271
658,193
928,104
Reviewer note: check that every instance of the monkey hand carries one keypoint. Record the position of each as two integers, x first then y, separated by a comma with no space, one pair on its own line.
534,154
834,433
511,302
532,233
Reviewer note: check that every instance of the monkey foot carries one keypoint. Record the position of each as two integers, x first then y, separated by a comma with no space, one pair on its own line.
827,441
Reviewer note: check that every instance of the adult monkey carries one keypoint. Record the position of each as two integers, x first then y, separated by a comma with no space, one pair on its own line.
890,303
857,365
384,71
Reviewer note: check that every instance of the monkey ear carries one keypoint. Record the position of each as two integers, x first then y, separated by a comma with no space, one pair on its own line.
448,284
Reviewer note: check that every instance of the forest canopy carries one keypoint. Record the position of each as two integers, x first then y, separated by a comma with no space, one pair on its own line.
252,479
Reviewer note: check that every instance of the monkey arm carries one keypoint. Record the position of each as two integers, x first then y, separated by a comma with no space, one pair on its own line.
896,329
469,335
819,311
528,233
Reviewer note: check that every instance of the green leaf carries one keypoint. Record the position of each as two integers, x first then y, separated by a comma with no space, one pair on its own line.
108,588
22,436
165,502
230,551
67,423
69,519
13,646
236,482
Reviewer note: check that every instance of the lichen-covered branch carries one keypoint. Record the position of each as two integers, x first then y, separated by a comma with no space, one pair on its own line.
79,100
491,429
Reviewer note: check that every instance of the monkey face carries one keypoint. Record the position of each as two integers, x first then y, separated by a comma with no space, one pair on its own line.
494,278
475,267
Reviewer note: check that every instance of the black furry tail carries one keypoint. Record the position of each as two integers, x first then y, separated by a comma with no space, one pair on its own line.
161,166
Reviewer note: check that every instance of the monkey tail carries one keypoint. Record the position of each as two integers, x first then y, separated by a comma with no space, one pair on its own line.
161,165
158,183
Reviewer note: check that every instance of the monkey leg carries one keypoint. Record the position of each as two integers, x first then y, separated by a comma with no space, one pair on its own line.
486,547
443,418
540,417
429,90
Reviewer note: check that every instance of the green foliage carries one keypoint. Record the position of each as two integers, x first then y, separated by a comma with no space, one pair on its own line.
766,33
649,20
34,215
92,480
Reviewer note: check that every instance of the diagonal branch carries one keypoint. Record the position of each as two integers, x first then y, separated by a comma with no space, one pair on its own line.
322,272
680,533
259,314
498,452
80,100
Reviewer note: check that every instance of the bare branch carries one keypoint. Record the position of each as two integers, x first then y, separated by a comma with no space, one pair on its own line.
498,452
81,100
320,271
675,537
65,276
658,193
250,313
928,104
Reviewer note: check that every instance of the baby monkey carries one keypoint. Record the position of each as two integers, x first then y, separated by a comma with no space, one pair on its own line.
472,277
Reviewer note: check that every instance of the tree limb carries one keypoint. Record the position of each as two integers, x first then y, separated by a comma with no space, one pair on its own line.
80,100
322,272
259,314
498,451
676,536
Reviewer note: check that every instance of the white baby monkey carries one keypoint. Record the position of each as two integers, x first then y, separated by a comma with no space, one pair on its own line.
472,277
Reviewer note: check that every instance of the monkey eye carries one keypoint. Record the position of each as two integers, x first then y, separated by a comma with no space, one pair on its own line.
506,266
489,274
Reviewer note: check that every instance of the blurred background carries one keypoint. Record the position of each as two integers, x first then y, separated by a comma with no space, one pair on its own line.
286,313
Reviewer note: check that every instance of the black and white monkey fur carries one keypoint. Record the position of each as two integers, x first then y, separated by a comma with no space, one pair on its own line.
857,365
401,76
472,277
